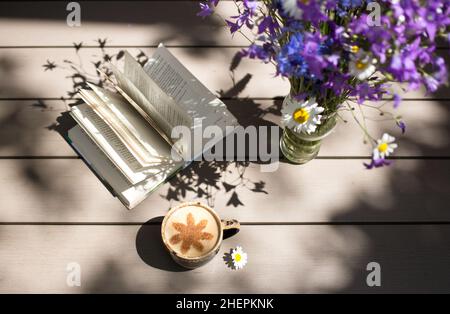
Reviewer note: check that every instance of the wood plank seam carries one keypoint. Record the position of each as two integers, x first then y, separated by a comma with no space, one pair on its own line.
221,98
121,46
244,223
140,46
318,157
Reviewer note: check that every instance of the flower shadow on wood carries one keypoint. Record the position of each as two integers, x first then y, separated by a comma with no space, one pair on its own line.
208,179
21,143
228,259
404,226
159,20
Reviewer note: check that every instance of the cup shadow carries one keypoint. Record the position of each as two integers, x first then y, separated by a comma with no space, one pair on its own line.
229,233
150,247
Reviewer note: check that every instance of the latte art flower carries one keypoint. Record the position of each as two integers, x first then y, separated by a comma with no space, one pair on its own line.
190,234
302,118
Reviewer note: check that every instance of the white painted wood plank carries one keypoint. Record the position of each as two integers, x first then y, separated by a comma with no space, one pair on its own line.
27,128
25,68
130,23
282,259
321,191
26,77
141,23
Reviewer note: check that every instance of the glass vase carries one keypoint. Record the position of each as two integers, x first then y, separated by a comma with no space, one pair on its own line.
299,148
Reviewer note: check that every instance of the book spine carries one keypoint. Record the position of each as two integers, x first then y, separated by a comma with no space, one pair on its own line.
89,165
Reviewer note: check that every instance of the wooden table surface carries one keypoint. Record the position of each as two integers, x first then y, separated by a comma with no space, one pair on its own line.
310,228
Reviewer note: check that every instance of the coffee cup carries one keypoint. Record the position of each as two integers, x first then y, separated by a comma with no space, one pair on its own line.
193,233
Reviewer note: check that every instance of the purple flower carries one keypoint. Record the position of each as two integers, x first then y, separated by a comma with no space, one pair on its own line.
433,16
431,84
312,11
255,51
401,125
234,26
251,6
240,20
397,100
290,62
336,82
403,65
317,45
364,91
205,10
268,23
377,163
350,3
441,73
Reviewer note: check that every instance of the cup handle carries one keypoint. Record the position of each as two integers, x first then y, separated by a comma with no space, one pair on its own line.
230,227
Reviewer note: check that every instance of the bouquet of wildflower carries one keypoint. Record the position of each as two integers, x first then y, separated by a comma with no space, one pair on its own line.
337,51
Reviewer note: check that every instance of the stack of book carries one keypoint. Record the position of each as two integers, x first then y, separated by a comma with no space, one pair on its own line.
124,136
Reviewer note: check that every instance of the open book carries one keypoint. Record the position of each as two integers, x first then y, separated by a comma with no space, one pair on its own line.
125,136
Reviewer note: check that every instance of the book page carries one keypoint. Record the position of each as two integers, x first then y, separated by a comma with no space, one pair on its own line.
140,148
158,100
113,147
175,80
116,109
130,195
140,102
86,147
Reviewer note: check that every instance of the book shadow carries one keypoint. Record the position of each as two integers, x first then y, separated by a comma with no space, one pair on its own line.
150,247
253,113
63,124
205,179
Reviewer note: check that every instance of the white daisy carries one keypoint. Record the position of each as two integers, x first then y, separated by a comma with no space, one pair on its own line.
239,258
385,147
302,118
290,7
361,64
